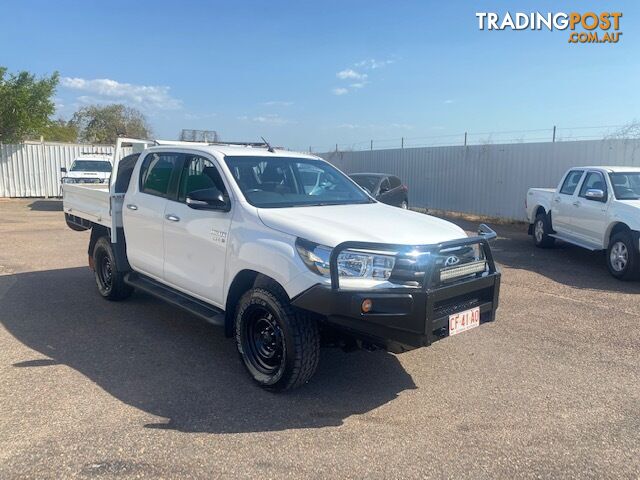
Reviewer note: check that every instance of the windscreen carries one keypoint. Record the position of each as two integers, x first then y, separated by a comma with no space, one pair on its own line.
272,182
626,185
91,166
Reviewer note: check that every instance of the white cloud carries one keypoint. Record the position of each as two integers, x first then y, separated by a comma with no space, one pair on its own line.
372,63
350,74
104,90
268,119
339,91
199,116
358,84
277,103
449,101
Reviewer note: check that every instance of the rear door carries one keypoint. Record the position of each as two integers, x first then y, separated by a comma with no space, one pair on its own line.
562,205
143,212
195,241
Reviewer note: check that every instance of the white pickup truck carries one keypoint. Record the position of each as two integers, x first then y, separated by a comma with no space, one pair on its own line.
282,250
597,208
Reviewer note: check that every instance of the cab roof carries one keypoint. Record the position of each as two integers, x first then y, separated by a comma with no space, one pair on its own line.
607,168
247,150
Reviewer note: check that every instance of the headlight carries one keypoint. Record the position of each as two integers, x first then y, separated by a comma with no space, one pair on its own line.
351,264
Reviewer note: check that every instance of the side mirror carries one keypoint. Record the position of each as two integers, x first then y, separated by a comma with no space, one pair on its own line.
63,170
208,199
594,194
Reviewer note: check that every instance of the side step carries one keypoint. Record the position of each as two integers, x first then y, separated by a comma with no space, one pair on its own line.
574,241
200,309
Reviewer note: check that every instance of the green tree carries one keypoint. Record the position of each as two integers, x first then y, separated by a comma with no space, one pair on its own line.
104,123
61,131
26,103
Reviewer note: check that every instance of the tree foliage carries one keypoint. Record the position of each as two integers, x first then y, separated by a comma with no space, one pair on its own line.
104,123
26,103
61,131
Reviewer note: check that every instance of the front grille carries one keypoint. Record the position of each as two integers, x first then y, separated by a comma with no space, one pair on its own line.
446,266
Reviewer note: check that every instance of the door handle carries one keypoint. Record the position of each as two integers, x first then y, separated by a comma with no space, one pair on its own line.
131,206
171,217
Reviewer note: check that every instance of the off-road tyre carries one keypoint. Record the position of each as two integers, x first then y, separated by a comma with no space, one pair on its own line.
278,344
109,279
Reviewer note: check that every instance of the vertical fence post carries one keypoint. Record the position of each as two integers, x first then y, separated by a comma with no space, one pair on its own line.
336,148
371,145
554,134
402,142
45,168
465,139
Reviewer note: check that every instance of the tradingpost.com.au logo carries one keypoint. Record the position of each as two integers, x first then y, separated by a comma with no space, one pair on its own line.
601,27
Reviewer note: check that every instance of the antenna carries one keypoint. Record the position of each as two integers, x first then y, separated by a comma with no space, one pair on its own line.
269,147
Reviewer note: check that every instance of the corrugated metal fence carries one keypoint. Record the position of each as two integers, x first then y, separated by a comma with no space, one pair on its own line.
33,169
487,180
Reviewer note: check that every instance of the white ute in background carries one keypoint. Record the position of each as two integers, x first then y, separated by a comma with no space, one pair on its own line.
597,208
88,168
281,249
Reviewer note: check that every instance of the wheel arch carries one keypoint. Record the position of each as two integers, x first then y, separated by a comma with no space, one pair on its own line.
612,229
242,282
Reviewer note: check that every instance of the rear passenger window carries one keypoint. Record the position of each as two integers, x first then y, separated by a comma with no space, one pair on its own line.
571,182
155,173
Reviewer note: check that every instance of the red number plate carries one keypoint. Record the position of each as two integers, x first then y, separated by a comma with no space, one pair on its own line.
463,321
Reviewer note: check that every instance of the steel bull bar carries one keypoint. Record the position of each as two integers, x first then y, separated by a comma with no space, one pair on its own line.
409,317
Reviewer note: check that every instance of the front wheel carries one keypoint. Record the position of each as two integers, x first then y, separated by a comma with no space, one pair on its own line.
404,205
622,257
280,346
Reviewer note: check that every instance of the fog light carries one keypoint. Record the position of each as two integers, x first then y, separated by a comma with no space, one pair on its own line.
367,305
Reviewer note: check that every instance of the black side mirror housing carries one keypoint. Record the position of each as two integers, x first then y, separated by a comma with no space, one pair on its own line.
63,170
208,199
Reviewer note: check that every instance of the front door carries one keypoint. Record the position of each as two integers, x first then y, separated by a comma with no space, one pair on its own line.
143,212
195,241
590,215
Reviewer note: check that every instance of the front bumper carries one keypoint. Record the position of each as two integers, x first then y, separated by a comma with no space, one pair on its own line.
403,319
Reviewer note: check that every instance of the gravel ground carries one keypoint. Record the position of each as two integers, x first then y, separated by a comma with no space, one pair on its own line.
139,389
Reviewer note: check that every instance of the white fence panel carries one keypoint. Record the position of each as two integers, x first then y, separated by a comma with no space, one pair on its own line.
489,180
33,169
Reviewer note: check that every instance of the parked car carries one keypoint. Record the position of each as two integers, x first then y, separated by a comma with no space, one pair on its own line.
277,248
597,208
384,188
88,169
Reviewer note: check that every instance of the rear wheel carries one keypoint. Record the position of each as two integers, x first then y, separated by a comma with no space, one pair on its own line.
541,231
109,280
404,205
622,257
279,345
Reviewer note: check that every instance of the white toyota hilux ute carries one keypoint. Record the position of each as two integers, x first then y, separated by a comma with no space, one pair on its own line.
597,208
283,251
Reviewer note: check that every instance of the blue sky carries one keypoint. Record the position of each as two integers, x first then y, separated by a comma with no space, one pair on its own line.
317,73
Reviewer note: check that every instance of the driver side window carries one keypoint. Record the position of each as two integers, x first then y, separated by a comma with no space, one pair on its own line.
593,180
199,173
